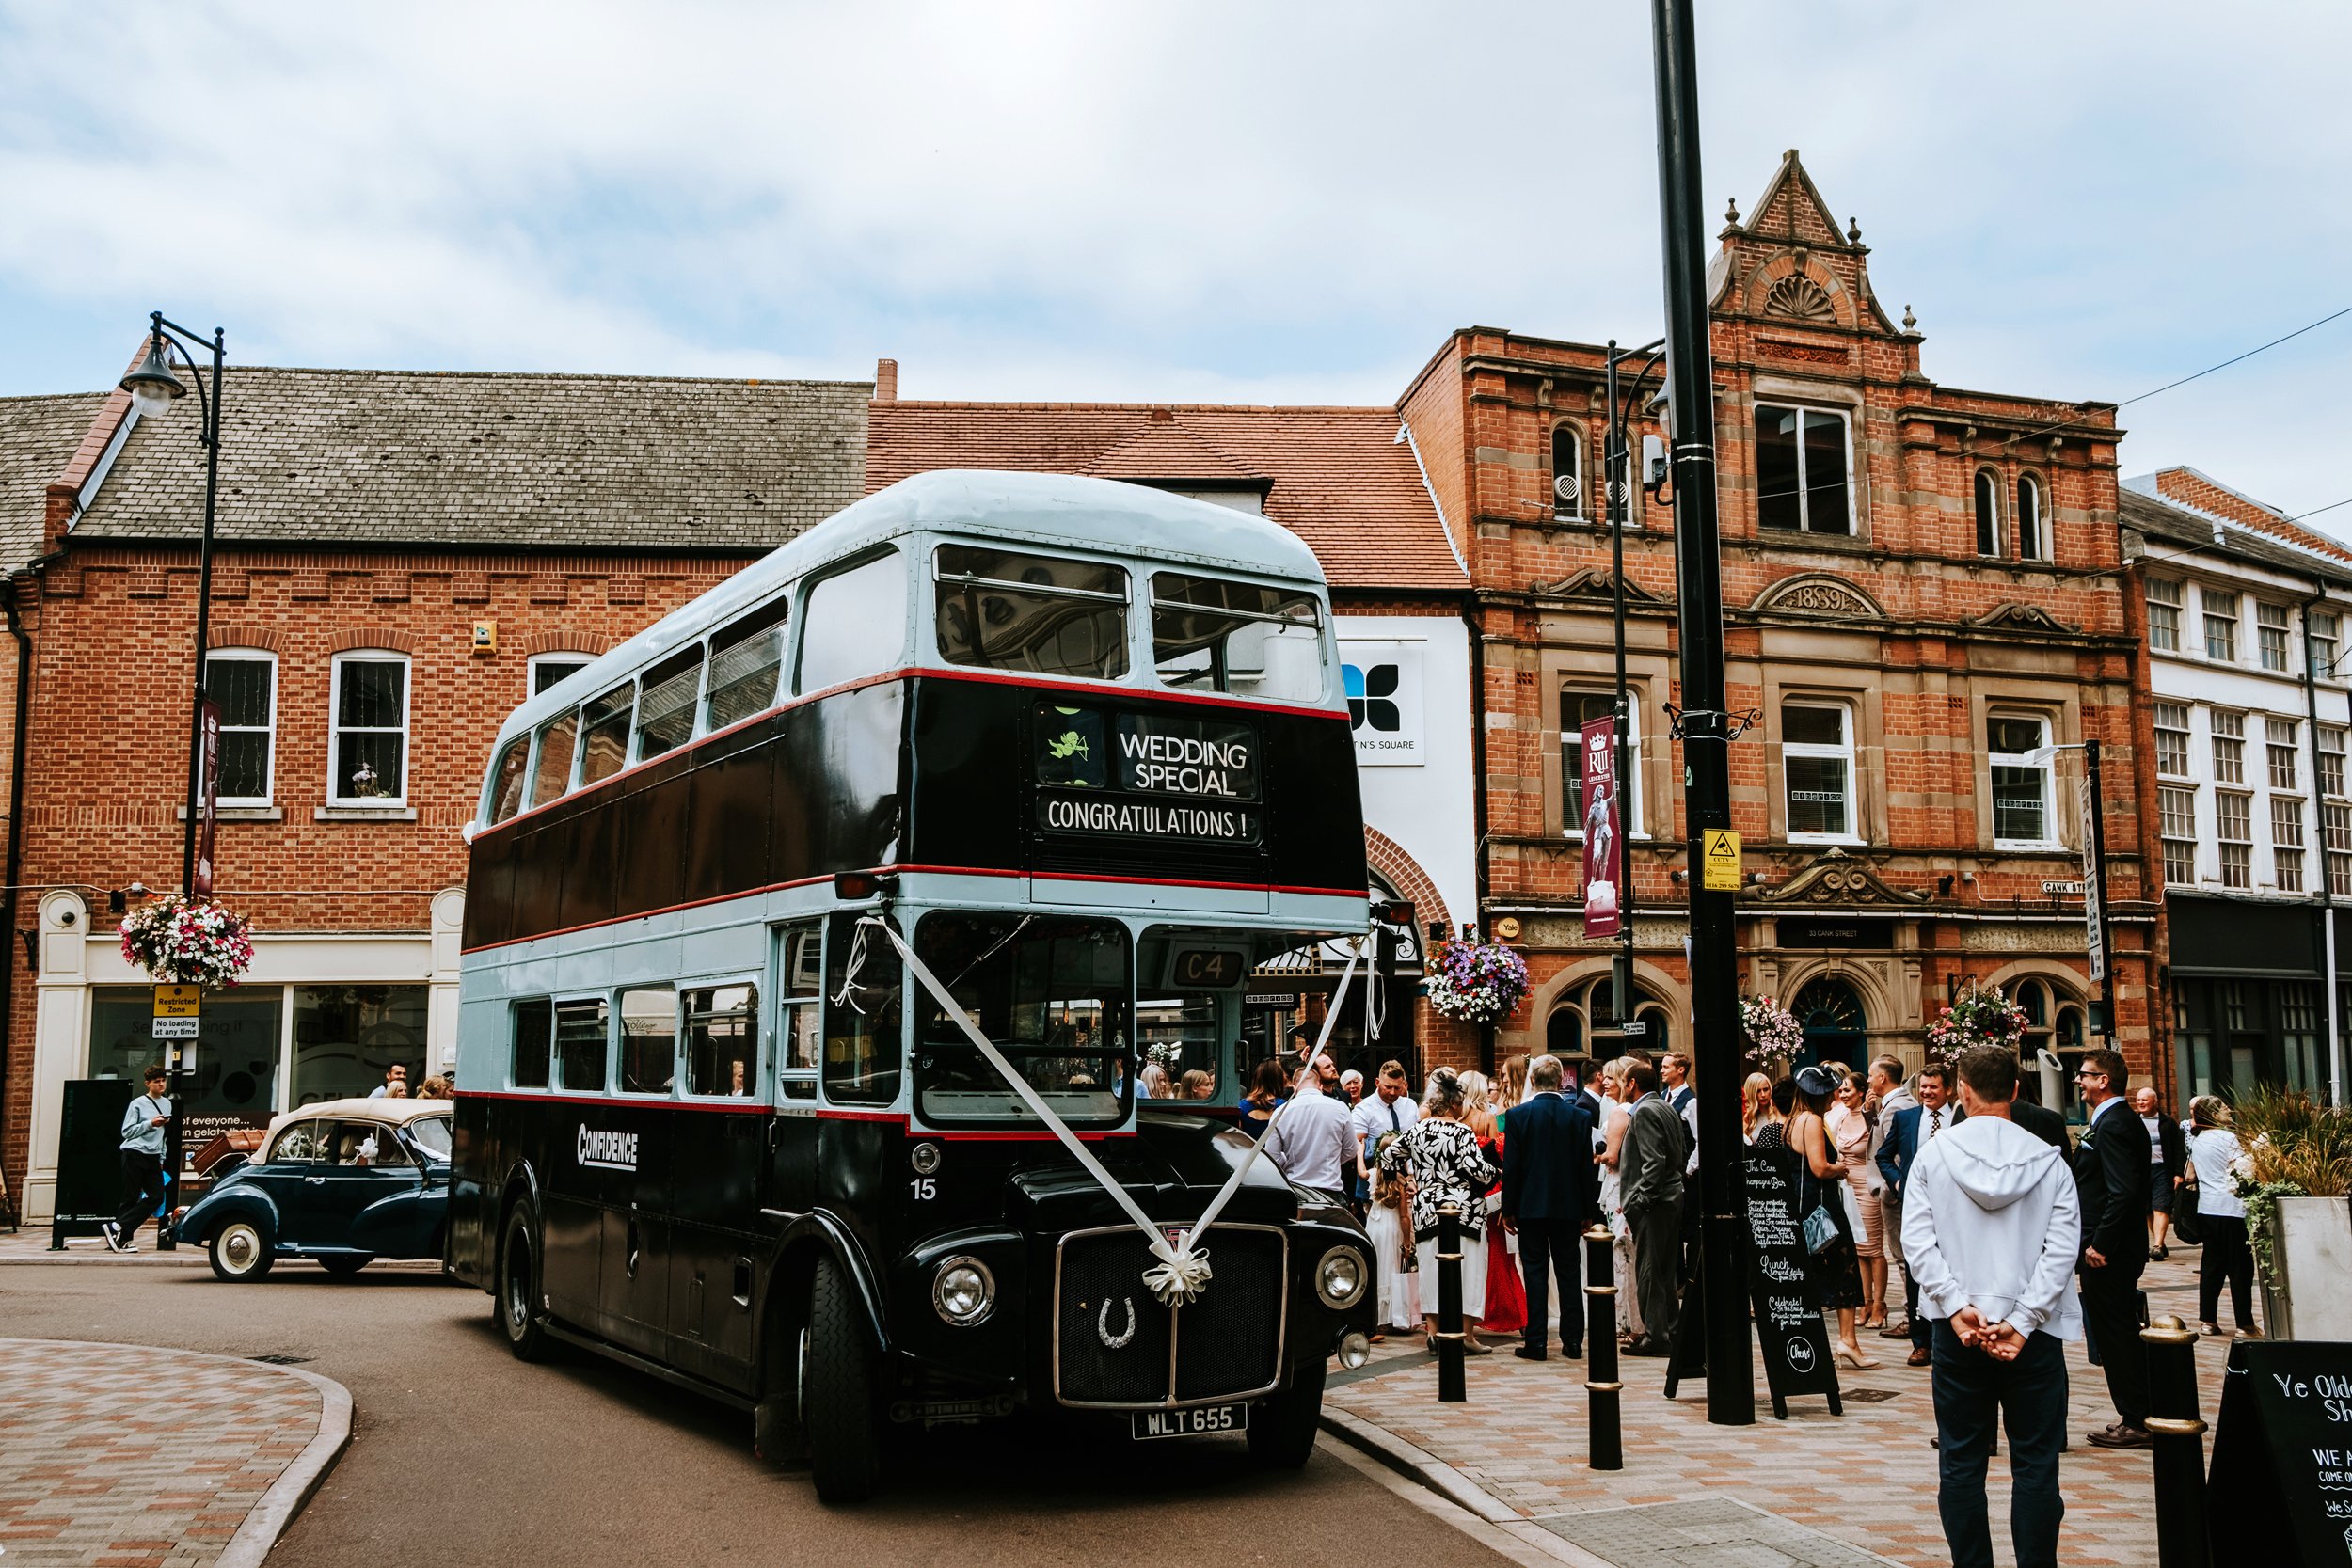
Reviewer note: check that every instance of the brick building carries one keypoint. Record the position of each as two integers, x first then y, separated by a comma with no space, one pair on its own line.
1348,482
1921,598
402,558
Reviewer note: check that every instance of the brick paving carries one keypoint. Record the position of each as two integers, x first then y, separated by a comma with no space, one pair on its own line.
127,1457
1867,1478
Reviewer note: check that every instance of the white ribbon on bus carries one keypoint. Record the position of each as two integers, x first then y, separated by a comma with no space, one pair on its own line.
1183,1270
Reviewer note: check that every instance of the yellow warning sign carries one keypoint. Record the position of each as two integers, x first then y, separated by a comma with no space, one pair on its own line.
177,1001
1719,860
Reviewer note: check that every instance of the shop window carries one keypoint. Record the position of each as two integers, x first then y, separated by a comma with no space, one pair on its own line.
722,1040
2020,763
1800,471
245,686
2192,1035
856,623
2300,1030
581,1044
370,741
2234,826
2176,810
231,1079
1988,513
1817,757
648,1039
2164,615
2172,741
746,659
2033,543
1040,615
534,1040
2270,634
2280,738
548,669
1577,709
1567,473
2221,625
345,1037
2286,842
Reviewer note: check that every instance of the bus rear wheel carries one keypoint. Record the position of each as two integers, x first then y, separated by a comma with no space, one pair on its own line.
1283,1430
840,1406
519,1287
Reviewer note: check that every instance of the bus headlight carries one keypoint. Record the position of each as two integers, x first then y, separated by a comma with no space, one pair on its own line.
964,1292
1340,1277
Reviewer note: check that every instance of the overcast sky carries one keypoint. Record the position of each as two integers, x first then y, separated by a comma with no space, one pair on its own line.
1203,201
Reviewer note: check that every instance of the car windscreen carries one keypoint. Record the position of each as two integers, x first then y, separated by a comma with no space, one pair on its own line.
431,1133
1051,993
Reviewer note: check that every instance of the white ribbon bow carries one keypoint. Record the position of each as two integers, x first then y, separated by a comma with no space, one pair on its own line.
1182,1271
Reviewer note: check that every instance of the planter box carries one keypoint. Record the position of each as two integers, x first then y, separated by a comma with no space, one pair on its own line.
2313,1297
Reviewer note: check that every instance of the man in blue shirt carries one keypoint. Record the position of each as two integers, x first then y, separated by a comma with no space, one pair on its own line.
143,1123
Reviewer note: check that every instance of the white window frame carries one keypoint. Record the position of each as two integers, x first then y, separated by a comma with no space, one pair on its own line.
1987,487
335,730
2031,484
269,770
2181,727
2040,760
1843,751
539,661
2263,626
2208,616
1804,490
1570,503
2314,638
2177,605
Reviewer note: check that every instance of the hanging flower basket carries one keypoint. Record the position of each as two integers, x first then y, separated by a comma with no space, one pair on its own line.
1772,1034
185,941
1475,982
1978,1017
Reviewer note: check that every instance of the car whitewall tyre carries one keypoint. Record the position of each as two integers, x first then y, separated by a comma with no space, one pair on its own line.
240,1252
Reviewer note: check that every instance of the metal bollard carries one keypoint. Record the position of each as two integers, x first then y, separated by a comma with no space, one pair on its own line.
2180,1443
1604,1435
1451,1388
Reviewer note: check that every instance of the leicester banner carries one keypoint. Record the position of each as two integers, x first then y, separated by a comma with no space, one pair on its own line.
1602,826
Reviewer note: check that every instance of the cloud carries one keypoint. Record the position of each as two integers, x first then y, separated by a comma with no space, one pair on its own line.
1025,199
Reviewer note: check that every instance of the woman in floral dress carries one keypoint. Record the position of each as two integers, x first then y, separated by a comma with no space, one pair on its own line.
1439,1155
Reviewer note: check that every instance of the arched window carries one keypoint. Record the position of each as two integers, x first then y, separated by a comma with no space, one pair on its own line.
1988,513
2031,542
1567,473
1831,1015
2054,1023
1564,1034
1582,1008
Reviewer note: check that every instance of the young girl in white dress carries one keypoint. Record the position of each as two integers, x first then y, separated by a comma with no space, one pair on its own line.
1392,1255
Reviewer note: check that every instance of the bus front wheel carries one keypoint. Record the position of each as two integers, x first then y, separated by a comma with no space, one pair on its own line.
1283,1430
519,1287
840,1406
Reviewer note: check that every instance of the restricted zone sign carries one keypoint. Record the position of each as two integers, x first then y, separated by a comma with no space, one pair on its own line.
177,1008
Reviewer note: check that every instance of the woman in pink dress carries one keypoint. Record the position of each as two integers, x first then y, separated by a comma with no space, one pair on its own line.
1849,1134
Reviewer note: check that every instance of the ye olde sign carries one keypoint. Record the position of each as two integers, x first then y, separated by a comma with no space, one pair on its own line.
2282,1455
1146,775
1788,1317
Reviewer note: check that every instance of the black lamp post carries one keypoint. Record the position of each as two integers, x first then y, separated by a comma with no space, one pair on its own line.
154,389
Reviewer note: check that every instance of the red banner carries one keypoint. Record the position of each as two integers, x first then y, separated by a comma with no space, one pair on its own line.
1602,823
208,823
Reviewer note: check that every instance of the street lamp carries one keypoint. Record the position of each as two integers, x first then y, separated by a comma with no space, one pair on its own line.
155,388
1617,482
2097,922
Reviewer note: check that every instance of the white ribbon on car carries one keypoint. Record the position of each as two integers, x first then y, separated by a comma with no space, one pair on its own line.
1183,1272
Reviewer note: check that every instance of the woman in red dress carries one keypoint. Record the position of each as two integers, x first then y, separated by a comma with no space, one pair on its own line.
1506,1293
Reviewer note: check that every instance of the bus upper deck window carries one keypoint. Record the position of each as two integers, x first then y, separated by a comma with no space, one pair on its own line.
1210,634
507,778
554,775
856,623
665,710
604,734
746,656
1043,614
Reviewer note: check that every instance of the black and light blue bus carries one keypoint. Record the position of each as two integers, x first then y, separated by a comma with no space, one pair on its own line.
1084,745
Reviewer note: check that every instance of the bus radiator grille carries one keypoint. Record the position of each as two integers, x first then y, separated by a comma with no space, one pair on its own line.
1228,1340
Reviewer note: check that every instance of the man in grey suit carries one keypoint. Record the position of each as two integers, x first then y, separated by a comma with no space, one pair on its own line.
1650,1187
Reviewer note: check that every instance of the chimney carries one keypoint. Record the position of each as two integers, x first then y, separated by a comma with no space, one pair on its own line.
886,381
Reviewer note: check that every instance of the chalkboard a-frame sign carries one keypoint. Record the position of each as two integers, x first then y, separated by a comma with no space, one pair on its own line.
1787,1316
2282,1456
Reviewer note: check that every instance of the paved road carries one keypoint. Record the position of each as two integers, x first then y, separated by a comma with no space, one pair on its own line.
462,1455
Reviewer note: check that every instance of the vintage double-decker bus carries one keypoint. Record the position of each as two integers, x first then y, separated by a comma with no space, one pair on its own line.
1082,748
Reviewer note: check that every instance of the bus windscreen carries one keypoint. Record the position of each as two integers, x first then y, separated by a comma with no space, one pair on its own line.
1052,994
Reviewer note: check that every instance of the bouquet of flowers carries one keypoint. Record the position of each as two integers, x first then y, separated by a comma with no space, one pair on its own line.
1772,1034
1476,982
185,941
1980,1016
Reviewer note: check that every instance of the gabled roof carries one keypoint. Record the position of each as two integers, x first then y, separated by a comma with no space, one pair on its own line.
496,460
38,439
1338,478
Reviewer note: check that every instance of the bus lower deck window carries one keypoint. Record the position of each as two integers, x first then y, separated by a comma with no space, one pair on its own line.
863,1016
721,1041
580,1044
534,1023
648,1039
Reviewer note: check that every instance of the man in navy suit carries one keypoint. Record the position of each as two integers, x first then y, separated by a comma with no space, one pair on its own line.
1915,1127
1550,1194
2111,1181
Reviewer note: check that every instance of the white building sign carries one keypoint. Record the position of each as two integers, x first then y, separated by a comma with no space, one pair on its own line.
1384,700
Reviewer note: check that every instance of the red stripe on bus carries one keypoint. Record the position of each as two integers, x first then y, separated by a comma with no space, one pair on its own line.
822,1113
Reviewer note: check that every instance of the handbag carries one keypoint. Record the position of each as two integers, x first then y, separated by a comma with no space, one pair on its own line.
1820,1231
2187,1224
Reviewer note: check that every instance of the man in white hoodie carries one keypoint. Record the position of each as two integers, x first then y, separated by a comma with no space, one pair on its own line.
1991,1230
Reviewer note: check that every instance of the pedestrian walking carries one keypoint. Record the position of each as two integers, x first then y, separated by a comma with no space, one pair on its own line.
1438,1154
2112,1170
2168,1162
1650,1169
1313,1142
2221,1217
1912,1129
1991,1227
143,1184
1821,1188
1550,1194
1893,1098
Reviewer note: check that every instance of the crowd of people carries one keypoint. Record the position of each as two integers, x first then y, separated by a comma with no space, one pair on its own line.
1937,1207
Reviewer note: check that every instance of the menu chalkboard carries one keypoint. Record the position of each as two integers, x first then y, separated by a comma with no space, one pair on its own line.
1788,1318
2282,1455
89,1157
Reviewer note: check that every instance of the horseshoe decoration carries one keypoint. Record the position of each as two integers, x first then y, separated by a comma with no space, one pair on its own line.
1103,1324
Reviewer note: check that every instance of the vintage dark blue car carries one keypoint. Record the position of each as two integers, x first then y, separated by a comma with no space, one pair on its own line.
342,1183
